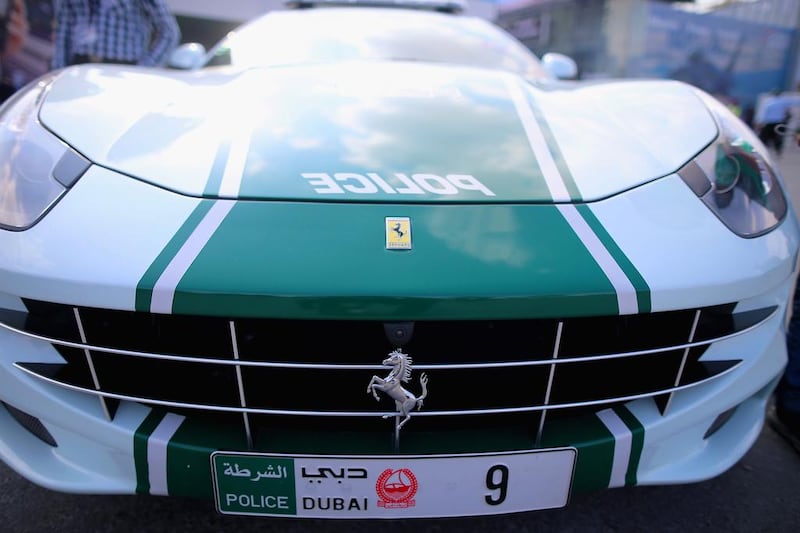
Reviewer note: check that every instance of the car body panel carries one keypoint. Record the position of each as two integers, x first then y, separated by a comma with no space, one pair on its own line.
94,256
333,260
375,134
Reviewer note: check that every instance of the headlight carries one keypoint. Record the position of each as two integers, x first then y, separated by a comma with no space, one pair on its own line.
735,178
36,168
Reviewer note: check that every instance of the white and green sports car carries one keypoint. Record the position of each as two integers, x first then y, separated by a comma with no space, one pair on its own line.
369,262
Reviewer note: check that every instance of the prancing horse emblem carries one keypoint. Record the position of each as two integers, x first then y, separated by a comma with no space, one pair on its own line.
392,386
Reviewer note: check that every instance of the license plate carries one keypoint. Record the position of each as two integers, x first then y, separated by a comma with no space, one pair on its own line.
392,486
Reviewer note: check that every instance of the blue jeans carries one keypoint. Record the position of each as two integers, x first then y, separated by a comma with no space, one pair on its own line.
787,397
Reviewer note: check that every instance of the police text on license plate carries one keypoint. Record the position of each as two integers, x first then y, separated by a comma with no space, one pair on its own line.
392,486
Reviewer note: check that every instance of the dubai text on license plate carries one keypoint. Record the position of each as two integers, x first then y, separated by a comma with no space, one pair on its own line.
392,486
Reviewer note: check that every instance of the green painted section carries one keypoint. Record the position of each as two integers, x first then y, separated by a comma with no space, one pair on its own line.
144,290
188,452
555,151
329,260
637,430
344,442
643,297
388,126
453,441
595,445
263,489
140,437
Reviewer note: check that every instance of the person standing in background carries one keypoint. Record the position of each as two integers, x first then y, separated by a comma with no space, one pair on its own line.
13,26
13,32
133,32
772,114
784,417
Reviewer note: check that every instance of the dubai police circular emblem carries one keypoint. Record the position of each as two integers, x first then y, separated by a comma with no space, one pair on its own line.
396,488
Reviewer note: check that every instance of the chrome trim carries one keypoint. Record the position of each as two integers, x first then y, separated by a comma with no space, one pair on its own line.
88,353
683,361
550,382
328,366
240,386
251,410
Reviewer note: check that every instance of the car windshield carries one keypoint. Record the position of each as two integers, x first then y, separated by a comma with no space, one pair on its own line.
340,34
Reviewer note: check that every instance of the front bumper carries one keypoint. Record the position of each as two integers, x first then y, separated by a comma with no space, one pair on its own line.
626,443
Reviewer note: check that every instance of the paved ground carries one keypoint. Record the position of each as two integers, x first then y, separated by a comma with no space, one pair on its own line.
760,494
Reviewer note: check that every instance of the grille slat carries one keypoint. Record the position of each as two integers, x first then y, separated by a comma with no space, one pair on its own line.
240,385
41,371
374,367
90,363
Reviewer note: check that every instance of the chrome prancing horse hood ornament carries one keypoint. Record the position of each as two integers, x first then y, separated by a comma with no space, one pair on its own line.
392,385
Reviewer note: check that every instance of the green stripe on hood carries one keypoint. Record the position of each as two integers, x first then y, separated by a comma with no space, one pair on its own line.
304,260
286,259
144,290
555,151
635,277
329,261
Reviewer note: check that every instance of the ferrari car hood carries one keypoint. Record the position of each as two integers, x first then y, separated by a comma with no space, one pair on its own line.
371,131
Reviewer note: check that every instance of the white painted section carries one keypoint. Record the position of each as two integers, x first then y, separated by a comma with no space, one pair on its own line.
160,127
623,443
614,134
164,289
626,292
93,455
544,158
95,245
157,453
686,255
237,158
674,449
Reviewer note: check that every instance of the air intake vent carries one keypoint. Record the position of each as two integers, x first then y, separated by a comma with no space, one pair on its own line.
32,424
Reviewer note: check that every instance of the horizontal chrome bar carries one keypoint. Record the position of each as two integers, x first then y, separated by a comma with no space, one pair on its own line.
417,366
255,410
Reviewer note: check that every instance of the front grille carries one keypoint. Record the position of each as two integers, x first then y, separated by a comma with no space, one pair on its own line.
271,375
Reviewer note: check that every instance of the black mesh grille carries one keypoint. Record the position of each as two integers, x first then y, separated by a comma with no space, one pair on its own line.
304,374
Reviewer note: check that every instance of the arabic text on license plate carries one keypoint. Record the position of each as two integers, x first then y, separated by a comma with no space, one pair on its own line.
391,487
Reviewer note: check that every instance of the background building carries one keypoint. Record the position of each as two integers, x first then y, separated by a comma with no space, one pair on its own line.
733,50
